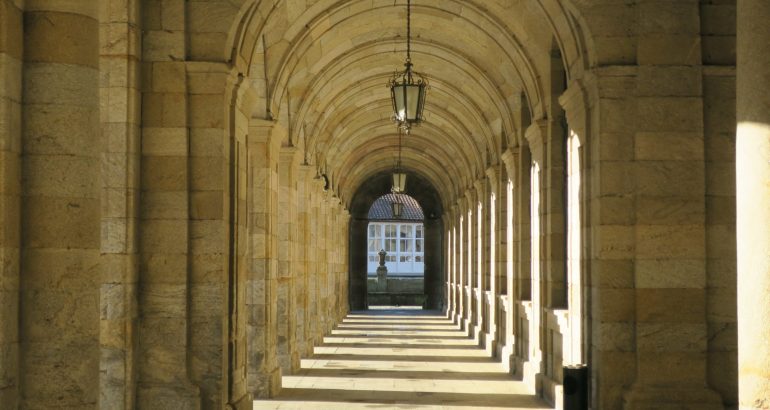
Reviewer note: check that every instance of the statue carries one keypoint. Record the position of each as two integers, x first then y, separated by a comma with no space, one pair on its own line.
382,257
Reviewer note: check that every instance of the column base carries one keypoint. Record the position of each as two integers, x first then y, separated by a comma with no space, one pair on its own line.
671,398
506,358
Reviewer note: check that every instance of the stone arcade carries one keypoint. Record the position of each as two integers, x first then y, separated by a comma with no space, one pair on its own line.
184,187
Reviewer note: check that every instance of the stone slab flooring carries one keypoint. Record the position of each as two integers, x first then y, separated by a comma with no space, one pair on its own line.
400,359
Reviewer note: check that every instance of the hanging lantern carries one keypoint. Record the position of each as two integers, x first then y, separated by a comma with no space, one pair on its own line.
408,88
399,182
397,207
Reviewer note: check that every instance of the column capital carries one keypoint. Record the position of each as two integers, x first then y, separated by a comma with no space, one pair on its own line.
510,158
493,174
535,136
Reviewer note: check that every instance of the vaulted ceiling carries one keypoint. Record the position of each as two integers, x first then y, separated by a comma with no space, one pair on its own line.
323,66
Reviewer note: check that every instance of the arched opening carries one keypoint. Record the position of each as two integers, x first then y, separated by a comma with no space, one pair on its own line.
399,237
395,252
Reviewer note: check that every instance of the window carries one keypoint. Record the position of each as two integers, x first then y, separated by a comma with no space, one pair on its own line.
404,243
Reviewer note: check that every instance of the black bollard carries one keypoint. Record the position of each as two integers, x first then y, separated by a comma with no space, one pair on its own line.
576,387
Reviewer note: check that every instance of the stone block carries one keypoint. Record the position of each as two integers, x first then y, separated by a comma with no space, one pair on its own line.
614,241
60,175
672,367
60,269
59,316
165,141
613,336
668,146
169,77
163,45
670,273
49,130
669,49
207,142
69,223
10,79
208,173
721,304
668,17
164,205
669,81
207,236
164,173
166,268
720,178
164,301
612,273
206,205
77,40
613,305
615,178
11,34
165,236
206,111
670,242
9,324
652,338
670,305
667,210
720,210
74,85
670,114
74,367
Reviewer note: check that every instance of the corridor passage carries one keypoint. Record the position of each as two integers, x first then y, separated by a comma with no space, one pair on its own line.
400,358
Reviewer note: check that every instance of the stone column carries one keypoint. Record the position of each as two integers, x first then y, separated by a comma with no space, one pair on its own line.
60,248
120,121
11,54
510,159
493,292
753,203
461,262
448,261
287,319
261,287
535,135
480,257
469,312
575,104
302,286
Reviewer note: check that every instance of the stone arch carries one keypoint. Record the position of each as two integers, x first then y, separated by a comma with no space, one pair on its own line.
429,199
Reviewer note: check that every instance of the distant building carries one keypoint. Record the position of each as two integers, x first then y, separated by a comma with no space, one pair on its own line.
403,238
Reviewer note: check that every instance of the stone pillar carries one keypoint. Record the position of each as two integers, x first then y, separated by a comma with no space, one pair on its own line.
511,158
462,266
492,289
479,266
469,312
535,135
120,178
448,261
287,319
670,331
575,104
302,282
753,203
11,54
261,287
60,248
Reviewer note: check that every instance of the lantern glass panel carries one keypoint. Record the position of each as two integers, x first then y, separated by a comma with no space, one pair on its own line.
399,182
412,102
399,102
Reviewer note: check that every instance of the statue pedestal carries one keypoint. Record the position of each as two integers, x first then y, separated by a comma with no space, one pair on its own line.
382,279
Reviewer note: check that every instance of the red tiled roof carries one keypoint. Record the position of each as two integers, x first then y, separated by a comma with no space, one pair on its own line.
382,210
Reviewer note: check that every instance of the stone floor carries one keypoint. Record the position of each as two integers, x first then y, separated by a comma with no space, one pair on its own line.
400,358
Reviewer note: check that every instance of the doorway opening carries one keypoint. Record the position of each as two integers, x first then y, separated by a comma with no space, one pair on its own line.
395,252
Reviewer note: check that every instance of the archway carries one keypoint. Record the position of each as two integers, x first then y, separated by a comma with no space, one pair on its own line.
426,195
395,252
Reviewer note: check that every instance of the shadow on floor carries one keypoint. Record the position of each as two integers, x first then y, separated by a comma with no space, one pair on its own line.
400,358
